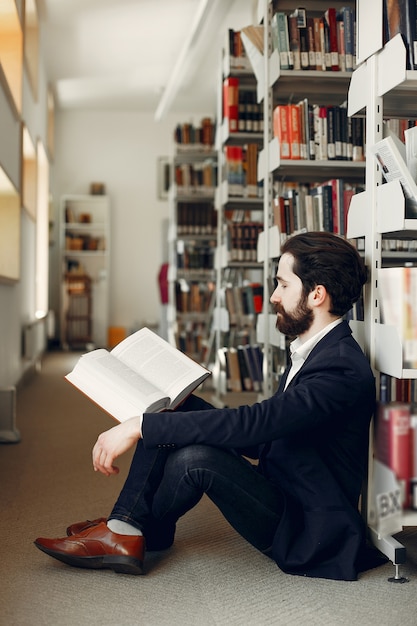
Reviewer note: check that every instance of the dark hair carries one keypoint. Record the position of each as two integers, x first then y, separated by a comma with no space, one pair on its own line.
322,258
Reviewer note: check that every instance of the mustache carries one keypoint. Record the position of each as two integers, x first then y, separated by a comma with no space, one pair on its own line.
278,308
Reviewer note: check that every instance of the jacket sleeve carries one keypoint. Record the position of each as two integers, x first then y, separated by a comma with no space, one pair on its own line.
328,385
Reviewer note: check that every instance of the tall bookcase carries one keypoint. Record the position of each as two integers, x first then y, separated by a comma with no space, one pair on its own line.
85,257
382,87
276,86
192,240
239,204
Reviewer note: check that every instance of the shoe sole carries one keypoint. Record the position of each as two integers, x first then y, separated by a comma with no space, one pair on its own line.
118,563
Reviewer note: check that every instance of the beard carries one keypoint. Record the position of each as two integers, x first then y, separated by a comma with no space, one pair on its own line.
296,323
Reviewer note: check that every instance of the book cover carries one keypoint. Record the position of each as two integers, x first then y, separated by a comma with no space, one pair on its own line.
294,130
279,25
311,44
398,302
246,380
393,443
231,103
330,18
400,18
346,15
143,373
234,382
294,37
390,154
318,44
281,129
252,367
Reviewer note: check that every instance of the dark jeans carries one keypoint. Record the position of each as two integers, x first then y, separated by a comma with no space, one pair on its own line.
162,485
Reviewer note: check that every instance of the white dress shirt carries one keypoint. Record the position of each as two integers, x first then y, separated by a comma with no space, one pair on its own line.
300,351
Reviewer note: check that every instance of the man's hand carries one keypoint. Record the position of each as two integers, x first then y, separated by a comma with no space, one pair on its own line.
114,442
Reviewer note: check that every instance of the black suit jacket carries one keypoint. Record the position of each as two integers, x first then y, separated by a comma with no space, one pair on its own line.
312,443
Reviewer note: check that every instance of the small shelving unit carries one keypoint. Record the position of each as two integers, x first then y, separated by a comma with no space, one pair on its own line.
192,239
85,255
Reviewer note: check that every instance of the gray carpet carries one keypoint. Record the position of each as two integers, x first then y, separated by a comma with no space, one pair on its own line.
210,576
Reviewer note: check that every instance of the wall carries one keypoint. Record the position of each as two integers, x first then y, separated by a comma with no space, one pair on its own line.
17,301
121,150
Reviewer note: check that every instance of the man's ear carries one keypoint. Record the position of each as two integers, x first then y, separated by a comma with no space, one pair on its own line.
318,295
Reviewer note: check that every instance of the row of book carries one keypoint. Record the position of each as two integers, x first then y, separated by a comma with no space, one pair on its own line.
396,446
241,167
243,367
314,206
243,303
187,136
317,132
196,218
199,177
195,257
236,52
242,240
240,108
194,296
309,41
191,338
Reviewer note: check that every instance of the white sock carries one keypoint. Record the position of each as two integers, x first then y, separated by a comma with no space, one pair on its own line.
122,528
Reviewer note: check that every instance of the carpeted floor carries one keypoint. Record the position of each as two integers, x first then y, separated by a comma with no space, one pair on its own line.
211,577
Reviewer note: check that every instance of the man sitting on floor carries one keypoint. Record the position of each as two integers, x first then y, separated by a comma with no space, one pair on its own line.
299,504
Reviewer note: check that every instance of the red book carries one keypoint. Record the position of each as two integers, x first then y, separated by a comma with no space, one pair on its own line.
330,16
231,103
393,443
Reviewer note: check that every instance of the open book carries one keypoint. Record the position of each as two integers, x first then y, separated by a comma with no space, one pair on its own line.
143,373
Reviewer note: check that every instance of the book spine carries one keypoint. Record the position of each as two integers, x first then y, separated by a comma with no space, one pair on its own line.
283,40
330,16
281,129
318,43
331,133
294,36
348,21
294,131
311,44
231,103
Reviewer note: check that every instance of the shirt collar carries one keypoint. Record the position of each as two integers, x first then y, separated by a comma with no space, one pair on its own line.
302,350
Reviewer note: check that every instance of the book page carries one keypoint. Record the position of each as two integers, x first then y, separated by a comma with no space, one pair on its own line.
161,364
114,386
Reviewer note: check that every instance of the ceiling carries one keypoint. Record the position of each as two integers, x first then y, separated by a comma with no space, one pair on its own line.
145,55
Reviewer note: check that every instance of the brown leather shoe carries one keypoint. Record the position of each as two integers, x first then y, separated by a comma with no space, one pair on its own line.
98,548
79,527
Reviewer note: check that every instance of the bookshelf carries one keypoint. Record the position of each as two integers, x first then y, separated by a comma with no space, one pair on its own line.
85,256
192,239
239,204
287,179
373,93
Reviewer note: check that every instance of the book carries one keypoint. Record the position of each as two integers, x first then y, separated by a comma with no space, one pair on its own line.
400,18
347,17
231,103
330,17
393,443
295,47
398,288
280,38
281,129
391,156
143,373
